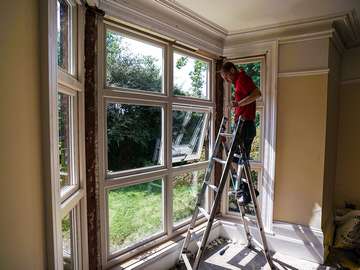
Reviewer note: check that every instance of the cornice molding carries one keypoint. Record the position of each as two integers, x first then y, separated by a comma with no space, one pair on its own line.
312,72
194,17
149,19
196,31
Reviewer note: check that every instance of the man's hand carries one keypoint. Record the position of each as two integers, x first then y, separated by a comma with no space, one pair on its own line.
234,103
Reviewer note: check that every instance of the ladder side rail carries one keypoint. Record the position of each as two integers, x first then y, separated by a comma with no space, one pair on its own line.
203,187
241,208
257,212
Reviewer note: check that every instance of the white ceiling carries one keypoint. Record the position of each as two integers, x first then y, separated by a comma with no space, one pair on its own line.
239,15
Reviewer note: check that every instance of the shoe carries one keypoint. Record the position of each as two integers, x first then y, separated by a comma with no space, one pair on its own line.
243,194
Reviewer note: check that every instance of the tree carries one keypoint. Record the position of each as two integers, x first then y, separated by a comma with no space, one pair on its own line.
133,131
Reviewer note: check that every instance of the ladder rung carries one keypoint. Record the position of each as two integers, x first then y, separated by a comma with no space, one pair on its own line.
186,261
213,187
204,212
226,134
219,160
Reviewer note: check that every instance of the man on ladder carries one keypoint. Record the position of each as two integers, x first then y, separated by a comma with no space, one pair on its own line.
240,140
246,94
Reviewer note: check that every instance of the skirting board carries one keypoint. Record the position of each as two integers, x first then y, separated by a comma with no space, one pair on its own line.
298,241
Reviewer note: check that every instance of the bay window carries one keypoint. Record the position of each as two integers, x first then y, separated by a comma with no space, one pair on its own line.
155,128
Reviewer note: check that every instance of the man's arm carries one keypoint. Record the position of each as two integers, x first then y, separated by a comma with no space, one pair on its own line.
254,95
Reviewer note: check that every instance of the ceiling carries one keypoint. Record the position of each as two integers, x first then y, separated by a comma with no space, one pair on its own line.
240,15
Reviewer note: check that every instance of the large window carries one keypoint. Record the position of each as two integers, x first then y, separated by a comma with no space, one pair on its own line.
155,126
68,186
255,69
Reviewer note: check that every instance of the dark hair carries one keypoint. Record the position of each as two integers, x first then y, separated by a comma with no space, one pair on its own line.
227,66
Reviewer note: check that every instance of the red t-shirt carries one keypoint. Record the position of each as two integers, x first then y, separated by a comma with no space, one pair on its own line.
244,85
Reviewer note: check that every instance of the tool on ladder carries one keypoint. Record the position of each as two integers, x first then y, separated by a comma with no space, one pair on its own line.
236,176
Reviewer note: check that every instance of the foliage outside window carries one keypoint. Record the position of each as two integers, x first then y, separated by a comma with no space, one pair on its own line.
190,76
63,33
185,189
137,135
134,135
133,64
67,240
65,135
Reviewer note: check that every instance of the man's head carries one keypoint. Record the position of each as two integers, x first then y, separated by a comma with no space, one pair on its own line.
229,72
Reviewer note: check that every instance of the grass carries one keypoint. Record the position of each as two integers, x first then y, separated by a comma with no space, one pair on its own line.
135,212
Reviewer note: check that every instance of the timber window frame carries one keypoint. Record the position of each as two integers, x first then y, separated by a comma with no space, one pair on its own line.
167,170
56,81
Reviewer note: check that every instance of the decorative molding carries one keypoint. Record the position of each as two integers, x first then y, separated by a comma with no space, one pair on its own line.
298,241
306,36
154,20
270,50
350,81
194,17
303,73
191,28
338,43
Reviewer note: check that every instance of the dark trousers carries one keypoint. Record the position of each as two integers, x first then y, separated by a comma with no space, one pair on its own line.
247,136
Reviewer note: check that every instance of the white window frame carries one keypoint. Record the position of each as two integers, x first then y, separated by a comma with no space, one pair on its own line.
269,50
73,198
167,171
257,165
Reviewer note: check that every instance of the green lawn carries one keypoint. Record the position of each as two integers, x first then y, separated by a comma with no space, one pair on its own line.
135,212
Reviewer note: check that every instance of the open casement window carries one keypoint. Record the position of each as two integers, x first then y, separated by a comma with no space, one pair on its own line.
154,142
189,136
254,67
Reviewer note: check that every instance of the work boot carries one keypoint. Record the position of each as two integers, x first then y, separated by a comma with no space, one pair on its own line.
243,194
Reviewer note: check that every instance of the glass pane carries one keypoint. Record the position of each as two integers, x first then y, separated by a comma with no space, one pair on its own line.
134,136
67,237
133,64
190,77
65,134
249,209
135,213
185,189
255,153
189,137
253,70
63,22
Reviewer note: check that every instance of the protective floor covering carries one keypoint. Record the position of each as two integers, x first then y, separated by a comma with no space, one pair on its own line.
237,256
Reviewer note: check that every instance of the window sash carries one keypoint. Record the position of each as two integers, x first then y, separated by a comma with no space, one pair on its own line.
169,103
141,38
257,165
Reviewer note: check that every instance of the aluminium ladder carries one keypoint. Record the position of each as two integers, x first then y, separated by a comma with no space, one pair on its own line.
236,176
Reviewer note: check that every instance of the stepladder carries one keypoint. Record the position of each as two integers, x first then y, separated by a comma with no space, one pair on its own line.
236,167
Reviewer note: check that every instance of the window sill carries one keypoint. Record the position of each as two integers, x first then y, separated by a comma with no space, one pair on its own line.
171,247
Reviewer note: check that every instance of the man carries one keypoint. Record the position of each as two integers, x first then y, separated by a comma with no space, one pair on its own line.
246,94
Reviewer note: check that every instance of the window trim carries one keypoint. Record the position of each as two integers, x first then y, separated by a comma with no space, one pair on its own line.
149,98
55,207
110,175
269,50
